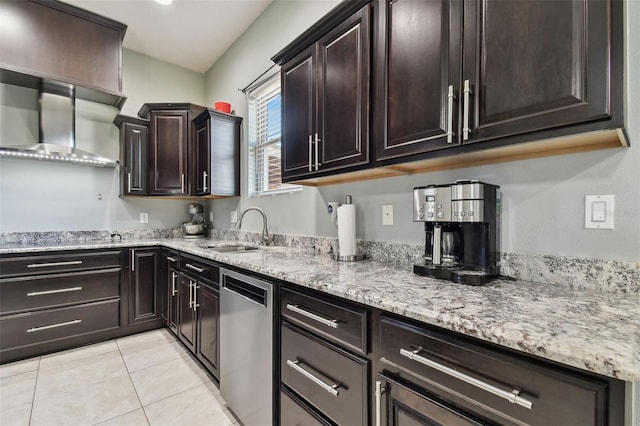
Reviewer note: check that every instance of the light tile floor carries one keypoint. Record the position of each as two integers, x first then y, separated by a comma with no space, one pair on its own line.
145,379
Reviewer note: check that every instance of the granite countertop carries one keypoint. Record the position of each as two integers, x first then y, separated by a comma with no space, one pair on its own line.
591,330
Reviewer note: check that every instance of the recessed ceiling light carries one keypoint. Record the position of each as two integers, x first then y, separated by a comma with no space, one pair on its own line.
165,2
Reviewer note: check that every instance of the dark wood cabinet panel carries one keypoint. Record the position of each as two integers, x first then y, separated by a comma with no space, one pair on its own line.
208,309
134,155
169,133
187,318
58,41
418,59
535,65
172,274
144,289
295,412
200,181
298,114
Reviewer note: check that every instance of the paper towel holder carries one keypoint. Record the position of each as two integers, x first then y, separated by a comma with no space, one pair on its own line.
332,209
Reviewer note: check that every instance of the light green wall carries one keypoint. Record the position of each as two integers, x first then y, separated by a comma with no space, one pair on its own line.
543,209
44,196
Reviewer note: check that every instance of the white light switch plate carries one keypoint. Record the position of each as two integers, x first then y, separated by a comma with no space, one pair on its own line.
144,217
598,211
387,214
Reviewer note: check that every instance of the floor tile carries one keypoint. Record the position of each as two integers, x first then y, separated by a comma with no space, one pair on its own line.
81,372
85,405
58,359
16,416
19,367
133,418
154,336
195,406
149,354
17,390
166,379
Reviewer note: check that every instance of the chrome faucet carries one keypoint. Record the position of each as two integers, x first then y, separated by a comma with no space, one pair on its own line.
266,239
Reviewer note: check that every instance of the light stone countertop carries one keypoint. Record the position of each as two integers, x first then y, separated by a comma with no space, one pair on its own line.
591,330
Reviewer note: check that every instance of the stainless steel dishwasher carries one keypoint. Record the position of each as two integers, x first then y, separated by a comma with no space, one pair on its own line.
246,347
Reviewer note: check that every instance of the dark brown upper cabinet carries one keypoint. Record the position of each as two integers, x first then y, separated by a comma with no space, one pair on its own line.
171,133
134,155
216,154
61,42
452,73
325,99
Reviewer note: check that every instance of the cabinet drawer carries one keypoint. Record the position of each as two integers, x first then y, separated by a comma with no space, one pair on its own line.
44,291
293,413
200,268
336,320
332,380
60,262
54,324
473,375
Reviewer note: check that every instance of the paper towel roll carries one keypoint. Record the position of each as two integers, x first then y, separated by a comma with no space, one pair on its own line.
347,230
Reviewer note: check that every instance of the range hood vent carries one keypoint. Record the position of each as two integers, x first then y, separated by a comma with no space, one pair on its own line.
57,131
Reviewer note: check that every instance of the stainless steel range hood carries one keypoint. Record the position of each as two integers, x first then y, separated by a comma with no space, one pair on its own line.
57,131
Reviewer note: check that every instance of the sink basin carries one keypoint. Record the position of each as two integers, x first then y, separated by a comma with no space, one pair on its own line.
230,248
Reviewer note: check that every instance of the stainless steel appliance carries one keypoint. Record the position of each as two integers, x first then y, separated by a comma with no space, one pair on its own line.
462,231
197,227
246,348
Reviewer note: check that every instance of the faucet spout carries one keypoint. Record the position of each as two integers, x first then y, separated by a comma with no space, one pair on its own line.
265,231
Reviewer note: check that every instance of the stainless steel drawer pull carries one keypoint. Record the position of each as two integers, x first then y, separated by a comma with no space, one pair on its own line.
47,265
329,388
195,268
379,391
171,259
61,290
60,324
512,396
328,322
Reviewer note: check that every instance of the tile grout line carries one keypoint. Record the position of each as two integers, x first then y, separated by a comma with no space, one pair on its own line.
132,384
35,387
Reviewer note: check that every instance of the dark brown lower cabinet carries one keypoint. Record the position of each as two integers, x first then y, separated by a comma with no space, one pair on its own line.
208,316
145,298
295,412
186,315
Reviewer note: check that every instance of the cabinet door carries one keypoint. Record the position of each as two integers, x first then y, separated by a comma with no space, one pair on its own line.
144,294
136,148
344,56
186,314
172,299
404,405
298,82
535,64
208,309
168,159
202,159
418,60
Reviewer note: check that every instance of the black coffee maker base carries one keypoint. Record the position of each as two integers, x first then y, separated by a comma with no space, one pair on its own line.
456,275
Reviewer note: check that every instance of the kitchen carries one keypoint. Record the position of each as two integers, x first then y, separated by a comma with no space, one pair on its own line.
543,198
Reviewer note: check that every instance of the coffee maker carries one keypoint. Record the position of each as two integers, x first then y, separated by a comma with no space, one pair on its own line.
462,231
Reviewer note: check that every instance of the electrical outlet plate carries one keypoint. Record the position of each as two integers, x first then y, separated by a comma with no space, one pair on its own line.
598,211
144,217
387,214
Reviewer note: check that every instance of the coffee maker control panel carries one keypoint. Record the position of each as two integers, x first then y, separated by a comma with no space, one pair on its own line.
432,204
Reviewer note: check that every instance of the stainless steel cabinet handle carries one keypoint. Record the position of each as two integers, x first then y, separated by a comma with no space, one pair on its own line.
128,182
310,153
450,115
329,388
133,260
190,294
60,324
61,290
182,183
328,322
174,279
465,113
172,259
205,187
317,143
378,394
195,268
195,296
511,396
48,265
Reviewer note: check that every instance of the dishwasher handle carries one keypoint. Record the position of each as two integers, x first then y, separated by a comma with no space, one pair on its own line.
250,292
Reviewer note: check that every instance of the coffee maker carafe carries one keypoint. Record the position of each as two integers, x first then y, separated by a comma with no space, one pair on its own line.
461,225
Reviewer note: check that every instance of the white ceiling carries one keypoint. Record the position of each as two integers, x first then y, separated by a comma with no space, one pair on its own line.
189,33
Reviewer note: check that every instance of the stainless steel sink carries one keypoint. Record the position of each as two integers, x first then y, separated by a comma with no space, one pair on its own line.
230,248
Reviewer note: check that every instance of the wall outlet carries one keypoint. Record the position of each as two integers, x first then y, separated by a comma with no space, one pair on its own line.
387,214
234,216
598,211
144,217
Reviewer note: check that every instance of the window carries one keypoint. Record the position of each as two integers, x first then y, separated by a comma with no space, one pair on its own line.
264,140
